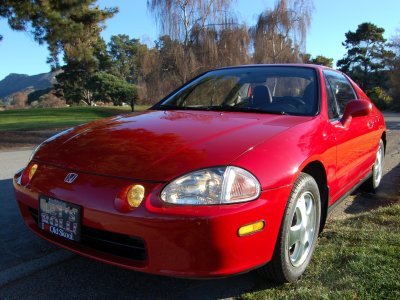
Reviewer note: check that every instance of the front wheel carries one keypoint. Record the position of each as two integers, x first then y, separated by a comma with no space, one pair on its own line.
298,234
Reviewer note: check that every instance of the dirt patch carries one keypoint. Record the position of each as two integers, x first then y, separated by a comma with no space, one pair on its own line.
19,139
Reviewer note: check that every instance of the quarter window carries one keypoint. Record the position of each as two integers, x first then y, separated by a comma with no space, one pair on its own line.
339,92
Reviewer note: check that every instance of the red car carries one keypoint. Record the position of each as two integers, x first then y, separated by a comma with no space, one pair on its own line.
235,170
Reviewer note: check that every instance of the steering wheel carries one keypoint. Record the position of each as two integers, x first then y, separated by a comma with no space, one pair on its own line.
282,106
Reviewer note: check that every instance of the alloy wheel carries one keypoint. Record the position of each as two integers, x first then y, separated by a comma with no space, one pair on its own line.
302,229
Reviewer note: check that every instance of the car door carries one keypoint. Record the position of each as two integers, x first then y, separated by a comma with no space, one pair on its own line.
355,142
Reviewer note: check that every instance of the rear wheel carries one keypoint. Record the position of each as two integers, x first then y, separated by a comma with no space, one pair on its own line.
298,234
377,170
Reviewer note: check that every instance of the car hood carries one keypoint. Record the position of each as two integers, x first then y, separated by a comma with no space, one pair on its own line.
160,145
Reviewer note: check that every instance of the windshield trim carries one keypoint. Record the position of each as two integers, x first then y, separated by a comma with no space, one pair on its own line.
316,110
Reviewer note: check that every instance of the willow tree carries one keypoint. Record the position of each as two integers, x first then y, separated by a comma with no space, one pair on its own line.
187,21
280,33
177,18
233,46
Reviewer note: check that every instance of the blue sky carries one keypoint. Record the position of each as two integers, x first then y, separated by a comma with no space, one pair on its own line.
19,53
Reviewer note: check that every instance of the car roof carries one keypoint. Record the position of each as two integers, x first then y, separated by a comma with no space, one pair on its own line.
312,66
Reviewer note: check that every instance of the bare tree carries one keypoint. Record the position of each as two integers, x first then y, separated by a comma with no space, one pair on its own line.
188,22
233,46
280,34
177,18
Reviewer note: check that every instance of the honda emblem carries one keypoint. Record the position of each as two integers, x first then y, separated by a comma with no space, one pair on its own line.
70,178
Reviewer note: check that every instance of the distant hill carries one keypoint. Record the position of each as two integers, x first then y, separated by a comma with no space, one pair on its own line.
24,83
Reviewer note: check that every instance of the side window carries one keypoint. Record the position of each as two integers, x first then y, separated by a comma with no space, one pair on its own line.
339,92
333,111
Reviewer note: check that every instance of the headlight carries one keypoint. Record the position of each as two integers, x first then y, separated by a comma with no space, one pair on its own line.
53,137
221,185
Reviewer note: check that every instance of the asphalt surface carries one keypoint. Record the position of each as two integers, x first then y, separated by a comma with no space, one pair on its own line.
31,268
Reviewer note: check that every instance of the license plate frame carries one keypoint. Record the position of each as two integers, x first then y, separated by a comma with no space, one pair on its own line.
60,218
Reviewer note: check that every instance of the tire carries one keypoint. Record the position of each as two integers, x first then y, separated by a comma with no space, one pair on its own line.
298,233
377,170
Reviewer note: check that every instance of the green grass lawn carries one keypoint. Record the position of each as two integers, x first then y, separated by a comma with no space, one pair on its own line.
48,118
356,258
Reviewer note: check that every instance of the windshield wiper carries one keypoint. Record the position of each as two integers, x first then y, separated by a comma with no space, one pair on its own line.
174,107
246,109
170,107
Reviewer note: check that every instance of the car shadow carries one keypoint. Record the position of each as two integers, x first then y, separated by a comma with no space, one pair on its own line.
389,189
387,193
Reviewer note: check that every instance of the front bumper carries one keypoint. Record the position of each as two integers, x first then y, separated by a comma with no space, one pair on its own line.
182,241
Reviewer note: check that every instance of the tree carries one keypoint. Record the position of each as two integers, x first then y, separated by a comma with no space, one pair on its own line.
318,60
177,18
380,98
69,27
184,21
280,34
71,83
109,88
170,58
84,55
66,26
323,61
19,100
48,100
366,55
150,90
35,95
162,68
233,46
100,52
126,57
224,46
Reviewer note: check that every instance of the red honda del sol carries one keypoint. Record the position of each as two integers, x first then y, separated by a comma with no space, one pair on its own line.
235,170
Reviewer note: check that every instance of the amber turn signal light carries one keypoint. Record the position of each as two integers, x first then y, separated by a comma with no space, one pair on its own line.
135,195
129,198
251,228
28,174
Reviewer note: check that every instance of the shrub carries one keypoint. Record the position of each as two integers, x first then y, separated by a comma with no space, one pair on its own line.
48,101
380,98
18,100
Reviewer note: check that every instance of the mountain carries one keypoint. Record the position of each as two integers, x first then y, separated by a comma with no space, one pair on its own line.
24,83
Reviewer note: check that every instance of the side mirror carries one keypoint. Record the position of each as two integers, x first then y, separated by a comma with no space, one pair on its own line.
356,108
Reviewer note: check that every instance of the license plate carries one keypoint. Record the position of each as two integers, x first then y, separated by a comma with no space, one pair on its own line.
60,218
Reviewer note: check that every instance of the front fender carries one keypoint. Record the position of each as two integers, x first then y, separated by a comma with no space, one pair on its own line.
277,162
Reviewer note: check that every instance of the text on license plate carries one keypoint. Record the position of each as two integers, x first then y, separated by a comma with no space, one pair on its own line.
60,218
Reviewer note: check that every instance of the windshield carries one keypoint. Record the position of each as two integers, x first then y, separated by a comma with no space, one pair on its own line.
264,89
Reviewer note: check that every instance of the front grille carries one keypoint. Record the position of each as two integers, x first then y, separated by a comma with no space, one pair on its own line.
120,245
